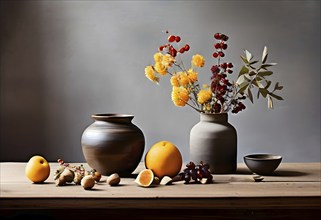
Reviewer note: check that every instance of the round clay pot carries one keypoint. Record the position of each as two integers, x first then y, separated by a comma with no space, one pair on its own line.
214,141
113,144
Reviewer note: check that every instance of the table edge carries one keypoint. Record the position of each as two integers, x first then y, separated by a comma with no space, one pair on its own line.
306,202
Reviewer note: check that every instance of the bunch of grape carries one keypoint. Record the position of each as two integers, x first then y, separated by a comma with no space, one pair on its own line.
197,173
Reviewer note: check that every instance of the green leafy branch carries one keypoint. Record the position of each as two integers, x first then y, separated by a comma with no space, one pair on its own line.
251,77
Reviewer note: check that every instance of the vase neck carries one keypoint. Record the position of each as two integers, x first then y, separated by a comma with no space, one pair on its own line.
217,117
113,118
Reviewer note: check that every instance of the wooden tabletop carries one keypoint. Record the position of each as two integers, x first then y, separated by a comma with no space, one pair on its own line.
293,186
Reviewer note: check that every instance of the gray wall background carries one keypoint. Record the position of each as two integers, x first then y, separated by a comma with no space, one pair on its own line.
62,61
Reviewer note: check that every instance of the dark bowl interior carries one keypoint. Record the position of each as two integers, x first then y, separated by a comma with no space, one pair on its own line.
262,164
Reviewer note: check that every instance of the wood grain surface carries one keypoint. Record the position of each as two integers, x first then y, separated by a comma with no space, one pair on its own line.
294,190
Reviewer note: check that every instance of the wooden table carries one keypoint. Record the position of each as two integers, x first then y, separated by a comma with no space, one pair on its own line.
293,192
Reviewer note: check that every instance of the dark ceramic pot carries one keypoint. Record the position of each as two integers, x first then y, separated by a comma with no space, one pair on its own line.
113,144
213,140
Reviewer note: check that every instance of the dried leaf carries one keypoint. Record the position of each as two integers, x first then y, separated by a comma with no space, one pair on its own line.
243,87
276,96
264,92
243,70
249,93
268,83
240,80
265,54
247,77
265,73
244,60
254,62
270,102
259,78
266,65
259,84
249,56
277,86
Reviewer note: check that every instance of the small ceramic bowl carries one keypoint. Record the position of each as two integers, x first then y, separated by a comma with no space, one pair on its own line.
262,164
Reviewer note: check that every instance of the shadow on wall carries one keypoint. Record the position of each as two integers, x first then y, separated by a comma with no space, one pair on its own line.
22,97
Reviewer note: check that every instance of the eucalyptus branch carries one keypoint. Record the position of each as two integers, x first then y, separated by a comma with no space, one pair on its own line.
251,76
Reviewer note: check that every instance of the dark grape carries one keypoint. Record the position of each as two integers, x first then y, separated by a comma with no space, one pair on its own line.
206,166
196,172
199,174
187,177
190,165
209,179
206,173
194,175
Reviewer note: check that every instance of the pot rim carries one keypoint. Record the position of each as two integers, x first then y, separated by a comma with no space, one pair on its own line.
220,113
263,156
214,117
111,115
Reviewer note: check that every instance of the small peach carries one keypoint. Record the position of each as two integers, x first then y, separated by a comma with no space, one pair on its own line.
37,169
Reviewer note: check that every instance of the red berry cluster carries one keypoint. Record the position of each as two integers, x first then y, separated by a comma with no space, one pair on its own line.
79,169
238,106
220,85
171,50
221,45
227,67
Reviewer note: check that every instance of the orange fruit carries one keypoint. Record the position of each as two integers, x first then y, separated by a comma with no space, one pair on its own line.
164,159
145,178
37,169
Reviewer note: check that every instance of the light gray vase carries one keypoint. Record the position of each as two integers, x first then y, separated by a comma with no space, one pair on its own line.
214,141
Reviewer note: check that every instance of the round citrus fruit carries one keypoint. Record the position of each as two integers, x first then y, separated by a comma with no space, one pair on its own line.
164,159
37,169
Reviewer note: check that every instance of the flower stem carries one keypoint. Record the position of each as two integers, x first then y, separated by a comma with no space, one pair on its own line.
194,107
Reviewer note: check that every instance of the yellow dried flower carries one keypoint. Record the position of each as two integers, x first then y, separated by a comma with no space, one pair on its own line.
207,107
167,60
174,80
150,74
192,75
180,96
160,68
198,60
183,78
158,57
204,96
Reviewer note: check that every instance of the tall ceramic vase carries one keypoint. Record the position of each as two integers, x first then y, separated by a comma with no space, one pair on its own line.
113,144
214,140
